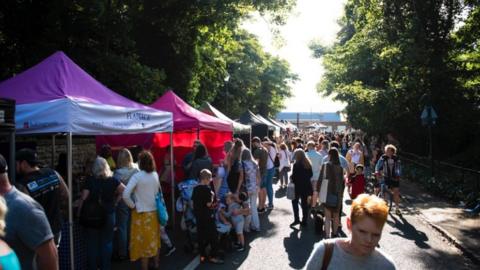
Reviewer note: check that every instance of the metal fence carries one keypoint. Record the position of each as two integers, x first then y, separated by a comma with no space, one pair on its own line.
450,181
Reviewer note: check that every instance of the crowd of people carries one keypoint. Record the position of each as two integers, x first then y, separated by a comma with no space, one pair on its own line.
119,198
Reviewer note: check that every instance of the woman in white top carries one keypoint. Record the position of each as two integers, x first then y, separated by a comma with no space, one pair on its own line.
355,156
144,227
285,157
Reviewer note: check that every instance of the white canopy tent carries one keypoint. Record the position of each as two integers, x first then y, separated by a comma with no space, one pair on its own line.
57,96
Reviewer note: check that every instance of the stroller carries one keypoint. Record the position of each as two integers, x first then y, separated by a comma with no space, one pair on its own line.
184,205
318,215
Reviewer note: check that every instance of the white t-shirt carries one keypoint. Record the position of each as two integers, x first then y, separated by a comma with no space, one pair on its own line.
316,159
342,260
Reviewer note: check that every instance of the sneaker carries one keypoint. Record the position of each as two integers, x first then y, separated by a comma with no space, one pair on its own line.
270,207
240,248
170,250
261,211
215,260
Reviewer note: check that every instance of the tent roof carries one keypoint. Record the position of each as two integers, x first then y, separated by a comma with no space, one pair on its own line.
59,77
210,110
263,119
250,118
279,124
186,117
56,95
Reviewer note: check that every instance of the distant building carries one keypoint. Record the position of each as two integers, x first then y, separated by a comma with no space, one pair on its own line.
335,121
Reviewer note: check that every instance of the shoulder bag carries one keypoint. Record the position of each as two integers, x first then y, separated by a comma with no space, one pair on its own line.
327,255
161,209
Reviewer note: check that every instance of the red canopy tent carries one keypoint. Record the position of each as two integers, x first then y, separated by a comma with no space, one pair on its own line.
189,125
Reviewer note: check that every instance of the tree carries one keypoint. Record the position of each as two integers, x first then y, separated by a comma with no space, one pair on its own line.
137,48
387,56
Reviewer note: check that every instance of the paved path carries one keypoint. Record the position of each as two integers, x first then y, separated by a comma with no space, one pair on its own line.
411,242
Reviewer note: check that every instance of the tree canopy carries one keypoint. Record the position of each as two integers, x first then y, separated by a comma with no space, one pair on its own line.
393,57
142,48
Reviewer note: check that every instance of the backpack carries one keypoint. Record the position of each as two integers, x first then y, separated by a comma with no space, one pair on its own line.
93,213
276,162
232,178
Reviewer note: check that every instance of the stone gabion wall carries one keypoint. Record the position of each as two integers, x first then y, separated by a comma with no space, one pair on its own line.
83,149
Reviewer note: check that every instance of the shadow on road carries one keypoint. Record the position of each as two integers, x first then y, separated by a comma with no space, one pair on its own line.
280,193
234,259
407,231
299,245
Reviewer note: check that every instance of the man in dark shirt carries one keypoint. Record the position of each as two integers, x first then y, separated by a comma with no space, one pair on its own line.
45,186
28,231
188,159
203,209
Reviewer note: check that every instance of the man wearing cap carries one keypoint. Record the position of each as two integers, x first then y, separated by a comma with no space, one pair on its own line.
28,231
45,186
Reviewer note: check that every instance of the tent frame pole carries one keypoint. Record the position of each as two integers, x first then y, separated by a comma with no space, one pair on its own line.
172,177
11,169
70,198
250,142
53,150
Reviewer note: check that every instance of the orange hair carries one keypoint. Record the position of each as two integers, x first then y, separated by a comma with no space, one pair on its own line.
369,206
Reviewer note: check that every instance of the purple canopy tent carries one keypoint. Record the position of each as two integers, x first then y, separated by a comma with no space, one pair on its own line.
56,96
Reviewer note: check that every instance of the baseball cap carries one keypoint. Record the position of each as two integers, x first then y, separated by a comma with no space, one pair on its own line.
3,164
29,155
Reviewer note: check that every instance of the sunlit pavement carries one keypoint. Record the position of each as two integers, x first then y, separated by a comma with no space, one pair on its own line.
410,242
407,239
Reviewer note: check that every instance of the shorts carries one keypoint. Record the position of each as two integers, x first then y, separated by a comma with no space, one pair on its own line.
392,183
223,228
267,178
239,224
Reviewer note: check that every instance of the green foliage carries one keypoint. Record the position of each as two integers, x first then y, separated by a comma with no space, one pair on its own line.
141,48
390,54
257,80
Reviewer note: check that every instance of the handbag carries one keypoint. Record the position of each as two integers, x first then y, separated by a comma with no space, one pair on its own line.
161,209
332,200
291,191
329,199
276,162
324,187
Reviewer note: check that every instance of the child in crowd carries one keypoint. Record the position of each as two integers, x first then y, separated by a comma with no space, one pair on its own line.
204,211
224,226
235,212
356,182
245,203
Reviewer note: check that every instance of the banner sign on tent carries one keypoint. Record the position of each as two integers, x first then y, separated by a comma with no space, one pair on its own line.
82,117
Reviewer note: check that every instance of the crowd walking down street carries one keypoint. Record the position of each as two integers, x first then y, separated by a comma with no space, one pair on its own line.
281,205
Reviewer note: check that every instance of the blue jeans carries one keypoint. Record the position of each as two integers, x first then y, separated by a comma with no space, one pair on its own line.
100,245
122,220
269,185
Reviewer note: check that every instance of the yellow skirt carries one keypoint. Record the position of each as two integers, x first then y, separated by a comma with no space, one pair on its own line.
144,235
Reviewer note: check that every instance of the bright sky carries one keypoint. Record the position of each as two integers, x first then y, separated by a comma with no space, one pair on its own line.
311,19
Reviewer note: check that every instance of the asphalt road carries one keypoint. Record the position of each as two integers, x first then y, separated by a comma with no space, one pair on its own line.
407,239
